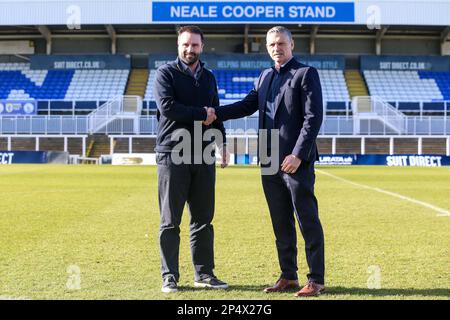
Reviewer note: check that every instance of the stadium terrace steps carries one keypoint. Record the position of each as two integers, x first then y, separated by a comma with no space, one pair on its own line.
137,82
100,145
23,144
355,83
90,146
144,145
51,144
382,145
121,145
3,144
75,146
377,145
401,146
348,145
405,146
325,145
434,146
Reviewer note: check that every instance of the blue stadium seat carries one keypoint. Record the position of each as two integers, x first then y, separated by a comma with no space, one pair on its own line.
236,84
336,106
408,87
409,106
18,81
442,80
433,106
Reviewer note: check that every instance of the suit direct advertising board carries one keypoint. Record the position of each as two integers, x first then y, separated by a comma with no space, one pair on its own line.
13,157
80,62
401,160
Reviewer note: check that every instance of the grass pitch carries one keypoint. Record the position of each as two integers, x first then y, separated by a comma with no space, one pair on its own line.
90,232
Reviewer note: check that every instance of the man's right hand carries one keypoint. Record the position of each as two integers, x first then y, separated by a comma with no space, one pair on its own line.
210,116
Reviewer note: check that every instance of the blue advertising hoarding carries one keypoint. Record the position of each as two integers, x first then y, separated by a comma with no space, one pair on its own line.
13,157
80,62
255,12
251,61
399,160
219,61
406,63
329,62
18,107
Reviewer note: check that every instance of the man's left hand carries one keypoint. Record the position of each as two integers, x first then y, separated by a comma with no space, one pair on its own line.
225,156
291,164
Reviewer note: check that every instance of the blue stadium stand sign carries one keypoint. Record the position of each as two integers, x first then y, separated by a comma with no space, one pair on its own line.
251,11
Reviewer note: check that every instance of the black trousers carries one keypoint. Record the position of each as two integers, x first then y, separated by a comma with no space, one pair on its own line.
286,195
178,184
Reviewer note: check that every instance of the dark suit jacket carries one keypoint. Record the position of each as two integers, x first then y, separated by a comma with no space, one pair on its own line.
299,109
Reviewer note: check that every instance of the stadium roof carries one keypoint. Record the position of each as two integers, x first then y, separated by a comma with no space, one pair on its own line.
229,31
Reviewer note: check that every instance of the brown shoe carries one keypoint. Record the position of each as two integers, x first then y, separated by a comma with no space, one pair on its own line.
311,289
282,285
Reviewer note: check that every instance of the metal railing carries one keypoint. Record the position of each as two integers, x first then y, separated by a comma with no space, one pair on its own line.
102,115
374,108
119,106
147,125
389,114
77,106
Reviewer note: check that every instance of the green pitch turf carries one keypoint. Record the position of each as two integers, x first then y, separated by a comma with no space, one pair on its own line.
90,232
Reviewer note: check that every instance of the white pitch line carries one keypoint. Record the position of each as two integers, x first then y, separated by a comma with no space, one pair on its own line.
442,212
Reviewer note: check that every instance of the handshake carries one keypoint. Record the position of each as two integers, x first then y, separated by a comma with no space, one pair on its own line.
210,116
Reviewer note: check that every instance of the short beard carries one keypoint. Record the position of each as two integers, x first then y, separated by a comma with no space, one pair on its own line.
190,63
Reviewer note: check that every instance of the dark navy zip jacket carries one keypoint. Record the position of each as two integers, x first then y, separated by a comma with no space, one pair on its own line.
180,100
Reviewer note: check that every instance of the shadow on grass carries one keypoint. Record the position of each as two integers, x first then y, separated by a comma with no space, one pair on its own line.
254,288
440,292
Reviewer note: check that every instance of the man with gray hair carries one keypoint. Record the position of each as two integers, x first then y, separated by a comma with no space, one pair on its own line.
288,97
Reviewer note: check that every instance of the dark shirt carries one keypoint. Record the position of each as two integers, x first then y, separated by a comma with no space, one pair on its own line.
196,73
279,78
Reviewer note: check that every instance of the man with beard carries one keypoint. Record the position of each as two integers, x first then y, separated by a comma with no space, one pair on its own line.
182,90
